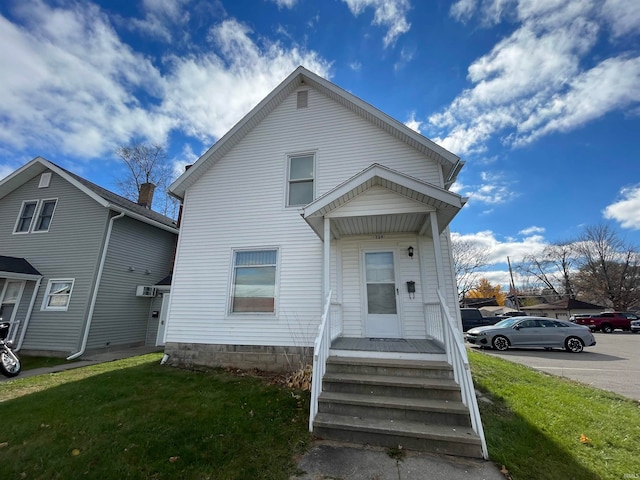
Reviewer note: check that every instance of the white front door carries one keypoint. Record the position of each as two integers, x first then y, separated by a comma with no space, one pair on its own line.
381,295
162,324
10,296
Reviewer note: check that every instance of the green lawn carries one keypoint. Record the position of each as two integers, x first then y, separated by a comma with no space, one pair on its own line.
535,423
136,419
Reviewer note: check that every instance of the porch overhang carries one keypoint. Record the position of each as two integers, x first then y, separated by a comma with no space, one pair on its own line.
411,215
18,269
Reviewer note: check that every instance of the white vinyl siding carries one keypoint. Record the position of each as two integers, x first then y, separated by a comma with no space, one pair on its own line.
344,144
58,294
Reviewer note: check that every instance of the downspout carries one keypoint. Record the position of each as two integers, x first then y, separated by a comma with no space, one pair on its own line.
23,332
95,289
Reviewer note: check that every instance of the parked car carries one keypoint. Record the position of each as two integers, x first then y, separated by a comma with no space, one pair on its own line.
607,322
472,317
532,332
635,326
574,318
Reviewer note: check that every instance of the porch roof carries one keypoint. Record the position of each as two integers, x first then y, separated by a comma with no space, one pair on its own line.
414,216
13,267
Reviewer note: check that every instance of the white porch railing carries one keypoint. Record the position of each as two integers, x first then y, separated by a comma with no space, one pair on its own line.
433,322
457,355
320,353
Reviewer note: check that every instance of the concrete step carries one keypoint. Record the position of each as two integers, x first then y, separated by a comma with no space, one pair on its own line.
438,412
390,367
392,386
449,440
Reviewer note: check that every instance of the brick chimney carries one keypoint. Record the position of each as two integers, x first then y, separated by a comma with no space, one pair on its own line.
145,196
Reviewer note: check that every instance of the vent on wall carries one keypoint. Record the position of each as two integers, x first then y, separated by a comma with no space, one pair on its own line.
303,98
45,179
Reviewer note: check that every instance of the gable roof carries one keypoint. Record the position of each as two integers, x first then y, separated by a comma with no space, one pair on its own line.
102,196
450,163
446,204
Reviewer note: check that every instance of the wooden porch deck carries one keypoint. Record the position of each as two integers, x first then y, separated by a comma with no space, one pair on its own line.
394,345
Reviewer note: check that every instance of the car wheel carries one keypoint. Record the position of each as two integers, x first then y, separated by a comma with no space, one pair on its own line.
606,328
500,343
574,344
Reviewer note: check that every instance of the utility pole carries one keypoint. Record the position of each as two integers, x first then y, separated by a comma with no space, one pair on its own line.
512,286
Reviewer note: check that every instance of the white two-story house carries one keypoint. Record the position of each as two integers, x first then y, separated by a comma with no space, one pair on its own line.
318,224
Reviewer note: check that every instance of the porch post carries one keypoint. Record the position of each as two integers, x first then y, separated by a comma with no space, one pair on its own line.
438,251
326,260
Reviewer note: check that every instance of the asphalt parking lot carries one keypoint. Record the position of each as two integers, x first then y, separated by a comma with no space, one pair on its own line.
612,364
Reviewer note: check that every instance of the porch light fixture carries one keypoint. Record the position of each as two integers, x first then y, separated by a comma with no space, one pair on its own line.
410,252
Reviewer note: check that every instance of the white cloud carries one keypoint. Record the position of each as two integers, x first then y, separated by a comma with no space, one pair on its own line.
160,17
492,190
534,82
71,85
285,3
412,123
623,16
626,210
532,229
498,250
387,13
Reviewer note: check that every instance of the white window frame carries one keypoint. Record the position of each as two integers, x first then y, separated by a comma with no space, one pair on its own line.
39,215
232,282
35,215
313,179
48,294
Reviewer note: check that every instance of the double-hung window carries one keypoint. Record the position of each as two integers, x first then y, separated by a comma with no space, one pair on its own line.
58,294
254,281
300,181
28,211
45,215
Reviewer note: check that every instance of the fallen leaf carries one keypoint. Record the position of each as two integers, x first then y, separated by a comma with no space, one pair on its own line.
174,459
75,452
4,444
584,438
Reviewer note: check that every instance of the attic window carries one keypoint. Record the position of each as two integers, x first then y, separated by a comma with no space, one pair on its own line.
303,99
45,179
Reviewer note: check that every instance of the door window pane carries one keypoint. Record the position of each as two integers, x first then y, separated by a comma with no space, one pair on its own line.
380,267
381,298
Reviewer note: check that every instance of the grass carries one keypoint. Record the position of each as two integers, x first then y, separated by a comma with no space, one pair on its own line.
136,419
29,362
545,427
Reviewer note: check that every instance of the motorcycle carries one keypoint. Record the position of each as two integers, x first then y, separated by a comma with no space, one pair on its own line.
9,361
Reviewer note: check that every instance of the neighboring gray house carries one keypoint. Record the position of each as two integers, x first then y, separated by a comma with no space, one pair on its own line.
562,309
73,257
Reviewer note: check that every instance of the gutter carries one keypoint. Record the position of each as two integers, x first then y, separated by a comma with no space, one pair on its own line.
94,297
142,218
23,332
454,173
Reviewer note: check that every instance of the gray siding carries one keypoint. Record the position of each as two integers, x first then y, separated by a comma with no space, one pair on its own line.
120,318
68,250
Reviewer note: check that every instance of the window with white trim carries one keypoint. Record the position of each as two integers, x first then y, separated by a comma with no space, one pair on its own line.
27,212
253,288
58,294
45,214
301,170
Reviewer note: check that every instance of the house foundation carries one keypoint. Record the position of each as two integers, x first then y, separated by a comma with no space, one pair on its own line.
245,357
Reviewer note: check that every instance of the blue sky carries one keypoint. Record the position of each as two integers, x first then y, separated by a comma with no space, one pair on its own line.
541,98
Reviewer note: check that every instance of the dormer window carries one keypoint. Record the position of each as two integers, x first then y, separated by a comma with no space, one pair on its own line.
301,176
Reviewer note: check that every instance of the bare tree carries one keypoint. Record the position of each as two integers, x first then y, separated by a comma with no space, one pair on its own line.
609,268
468,260
147,164
552,269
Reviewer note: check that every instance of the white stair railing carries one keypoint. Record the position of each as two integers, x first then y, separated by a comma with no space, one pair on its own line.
457,355
320,353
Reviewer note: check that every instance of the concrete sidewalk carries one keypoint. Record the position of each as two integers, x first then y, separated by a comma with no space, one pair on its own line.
332,460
